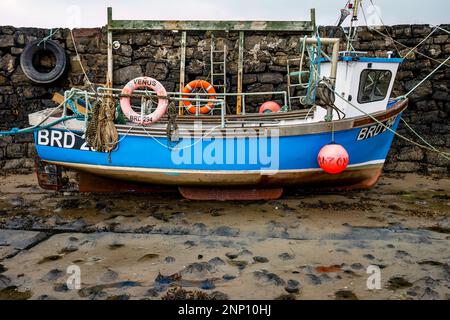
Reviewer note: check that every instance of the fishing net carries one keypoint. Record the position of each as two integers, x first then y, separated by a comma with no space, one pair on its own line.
101,133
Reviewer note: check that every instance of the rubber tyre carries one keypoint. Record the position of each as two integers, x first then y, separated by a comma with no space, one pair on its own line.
26,61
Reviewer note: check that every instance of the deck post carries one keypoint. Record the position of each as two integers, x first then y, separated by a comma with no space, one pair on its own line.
334,62
109,75
182,68
313,20
240,73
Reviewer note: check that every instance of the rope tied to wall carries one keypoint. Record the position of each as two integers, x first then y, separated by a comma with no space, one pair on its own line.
44,40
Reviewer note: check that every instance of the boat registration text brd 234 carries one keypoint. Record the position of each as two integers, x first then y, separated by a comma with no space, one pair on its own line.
375,129
62,139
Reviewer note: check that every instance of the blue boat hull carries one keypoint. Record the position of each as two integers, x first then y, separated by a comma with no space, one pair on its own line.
225,161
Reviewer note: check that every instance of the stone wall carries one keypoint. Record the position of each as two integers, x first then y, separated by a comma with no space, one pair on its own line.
156,54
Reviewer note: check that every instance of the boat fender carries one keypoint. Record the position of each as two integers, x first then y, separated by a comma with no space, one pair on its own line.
194,85
139,83
269,106
29,55
333,158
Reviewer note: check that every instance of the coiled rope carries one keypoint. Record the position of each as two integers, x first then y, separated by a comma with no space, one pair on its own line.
101,133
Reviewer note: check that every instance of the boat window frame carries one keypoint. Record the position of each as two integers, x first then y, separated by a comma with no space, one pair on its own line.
360,86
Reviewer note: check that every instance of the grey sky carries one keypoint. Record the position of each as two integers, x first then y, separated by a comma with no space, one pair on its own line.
92,13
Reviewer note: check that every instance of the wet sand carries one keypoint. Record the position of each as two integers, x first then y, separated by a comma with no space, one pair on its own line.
160,246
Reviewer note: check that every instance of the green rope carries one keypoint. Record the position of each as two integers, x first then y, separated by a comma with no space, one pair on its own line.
14,131
49,37
39,126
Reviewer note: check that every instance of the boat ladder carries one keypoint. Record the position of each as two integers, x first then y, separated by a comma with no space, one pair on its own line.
219,69
295,73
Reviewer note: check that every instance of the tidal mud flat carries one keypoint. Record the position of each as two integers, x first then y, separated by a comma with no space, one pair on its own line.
160,246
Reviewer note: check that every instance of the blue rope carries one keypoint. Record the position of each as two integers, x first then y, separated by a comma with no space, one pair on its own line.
314,54
73,106
16,130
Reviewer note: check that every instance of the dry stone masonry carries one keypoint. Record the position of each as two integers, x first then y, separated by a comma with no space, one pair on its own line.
156,54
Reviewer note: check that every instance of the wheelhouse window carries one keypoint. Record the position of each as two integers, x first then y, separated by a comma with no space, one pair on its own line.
373,85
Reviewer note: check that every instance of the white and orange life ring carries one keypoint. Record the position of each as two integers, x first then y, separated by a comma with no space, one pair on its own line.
138,83
194,85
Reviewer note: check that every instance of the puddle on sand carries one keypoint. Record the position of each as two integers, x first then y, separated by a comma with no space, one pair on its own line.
147,257
12,293
345,295
178,293
98,289
396,283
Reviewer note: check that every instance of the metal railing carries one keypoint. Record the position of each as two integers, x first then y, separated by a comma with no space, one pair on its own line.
196,95
194,98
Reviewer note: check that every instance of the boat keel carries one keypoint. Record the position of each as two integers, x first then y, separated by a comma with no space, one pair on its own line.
98,184
226,194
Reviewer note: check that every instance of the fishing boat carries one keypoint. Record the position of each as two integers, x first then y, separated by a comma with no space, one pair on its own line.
339,138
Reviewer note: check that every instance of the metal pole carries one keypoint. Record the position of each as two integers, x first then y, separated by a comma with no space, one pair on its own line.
334,57
222,114
289,83
213,48
225,72
182,68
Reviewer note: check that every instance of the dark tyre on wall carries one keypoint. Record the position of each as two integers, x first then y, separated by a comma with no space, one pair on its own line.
31,57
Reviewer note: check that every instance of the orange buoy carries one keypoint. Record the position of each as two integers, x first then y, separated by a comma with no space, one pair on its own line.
333,158
194,85
269,106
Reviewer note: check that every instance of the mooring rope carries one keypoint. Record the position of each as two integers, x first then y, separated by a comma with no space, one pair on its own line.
424,79
397,42
446,155
186,147
79,61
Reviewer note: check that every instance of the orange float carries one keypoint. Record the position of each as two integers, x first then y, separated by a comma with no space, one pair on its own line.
269,106
333,158
194,85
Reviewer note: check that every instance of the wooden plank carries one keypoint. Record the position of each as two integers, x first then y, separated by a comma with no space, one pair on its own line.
313,21
240,72
58,98
212,25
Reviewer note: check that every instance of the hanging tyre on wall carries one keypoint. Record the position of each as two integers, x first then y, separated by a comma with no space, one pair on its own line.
43,62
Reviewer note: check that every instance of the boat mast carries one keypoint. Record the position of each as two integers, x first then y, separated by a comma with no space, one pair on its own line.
352,30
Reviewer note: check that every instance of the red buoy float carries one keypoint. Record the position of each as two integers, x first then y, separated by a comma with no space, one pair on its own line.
333,158
269,106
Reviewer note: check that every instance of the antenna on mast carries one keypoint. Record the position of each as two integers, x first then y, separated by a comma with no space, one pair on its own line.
352,31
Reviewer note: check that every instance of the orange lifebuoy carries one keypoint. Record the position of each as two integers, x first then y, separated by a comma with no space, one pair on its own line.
144,82
199,84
